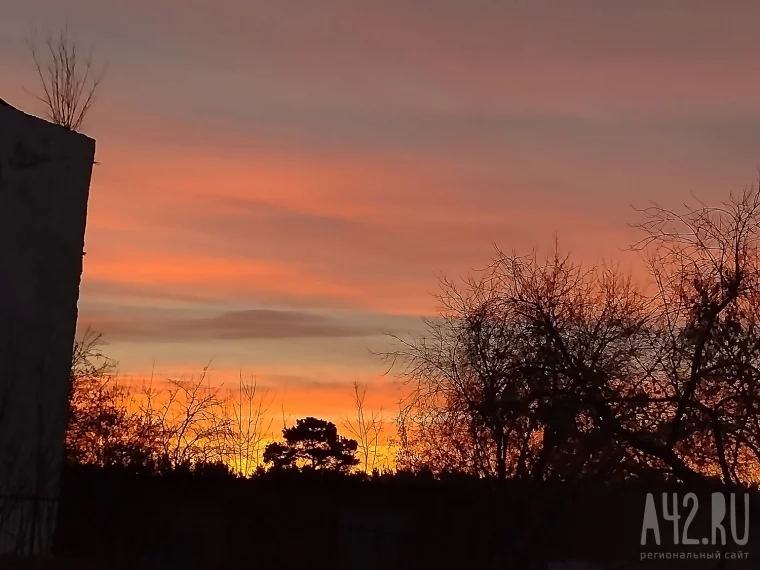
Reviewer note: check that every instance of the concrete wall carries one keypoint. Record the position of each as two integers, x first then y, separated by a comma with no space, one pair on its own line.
45,175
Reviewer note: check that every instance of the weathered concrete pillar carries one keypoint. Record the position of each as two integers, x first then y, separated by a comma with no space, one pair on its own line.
45,173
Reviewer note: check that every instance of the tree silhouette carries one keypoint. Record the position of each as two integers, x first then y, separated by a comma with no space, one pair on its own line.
312,444
68,80
102,429
366,427
543,369
504,382
185,426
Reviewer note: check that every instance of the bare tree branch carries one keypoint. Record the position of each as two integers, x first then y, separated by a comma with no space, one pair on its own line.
68,79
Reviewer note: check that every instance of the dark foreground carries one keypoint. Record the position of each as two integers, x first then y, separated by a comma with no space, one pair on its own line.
112,520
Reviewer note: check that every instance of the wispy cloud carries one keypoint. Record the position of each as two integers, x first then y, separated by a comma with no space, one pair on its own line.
252,324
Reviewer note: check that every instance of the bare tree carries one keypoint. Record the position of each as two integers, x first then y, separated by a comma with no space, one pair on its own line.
706,266
105,426
366,428
189,418
182,424
68,78
506,381
248,427
539,368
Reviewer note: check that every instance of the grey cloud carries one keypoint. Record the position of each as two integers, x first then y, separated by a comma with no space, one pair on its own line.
457,76
254,324
285,381
382,53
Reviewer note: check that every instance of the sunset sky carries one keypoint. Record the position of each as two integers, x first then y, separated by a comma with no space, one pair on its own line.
280,183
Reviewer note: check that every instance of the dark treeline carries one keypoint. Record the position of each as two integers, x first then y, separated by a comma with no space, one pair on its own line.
192,426
324,519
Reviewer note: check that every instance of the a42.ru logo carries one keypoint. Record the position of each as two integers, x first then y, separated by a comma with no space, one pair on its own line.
681,514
